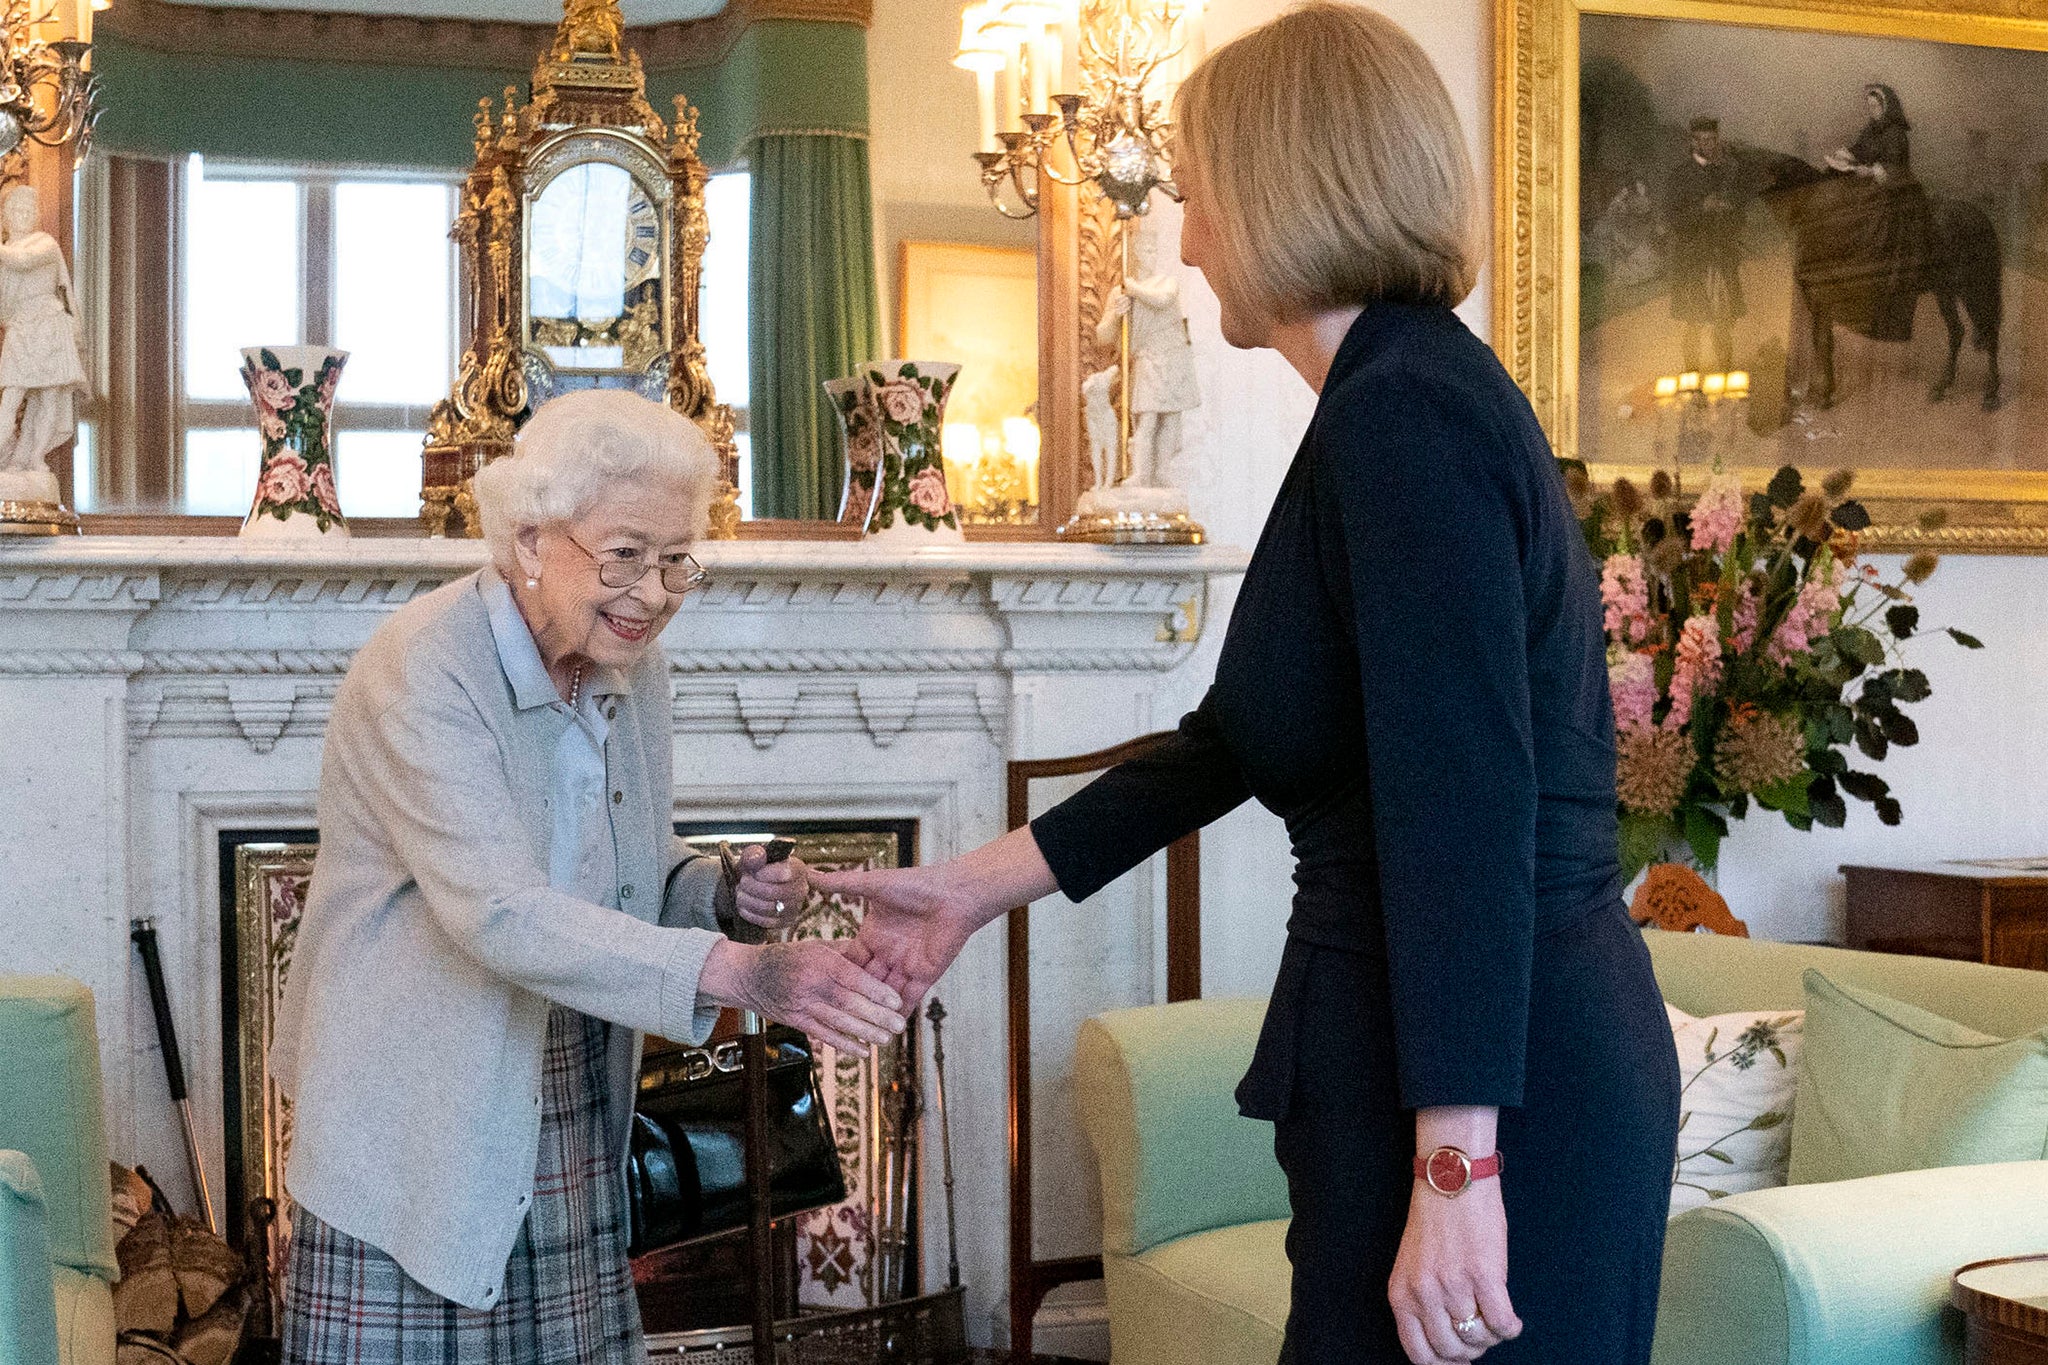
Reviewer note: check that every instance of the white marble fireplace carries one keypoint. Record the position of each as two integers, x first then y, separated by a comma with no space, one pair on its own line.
155,693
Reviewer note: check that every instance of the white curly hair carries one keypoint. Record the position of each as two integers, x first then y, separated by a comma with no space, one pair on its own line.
583,446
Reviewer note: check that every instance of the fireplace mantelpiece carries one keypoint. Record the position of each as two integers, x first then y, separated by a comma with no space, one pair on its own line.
157,691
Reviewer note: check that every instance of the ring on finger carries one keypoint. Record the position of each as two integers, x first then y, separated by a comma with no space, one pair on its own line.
1468,1325
779,907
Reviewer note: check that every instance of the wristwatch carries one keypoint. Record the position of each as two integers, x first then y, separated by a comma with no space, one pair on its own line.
1448,1170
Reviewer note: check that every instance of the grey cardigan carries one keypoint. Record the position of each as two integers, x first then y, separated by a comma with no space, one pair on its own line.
416,1007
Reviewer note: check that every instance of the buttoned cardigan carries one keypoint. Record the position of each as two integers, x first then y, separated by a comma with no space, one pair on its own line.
416,1006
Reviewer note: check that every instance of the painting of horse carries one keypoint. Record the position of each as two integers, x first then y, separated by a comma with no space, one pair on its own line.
1855,226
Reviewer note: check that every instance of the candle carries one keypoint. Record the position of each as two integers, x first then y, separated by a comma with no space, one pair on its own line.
1013,97
1713,384
985,96
1689,382
1667,386
1738,382
1034,51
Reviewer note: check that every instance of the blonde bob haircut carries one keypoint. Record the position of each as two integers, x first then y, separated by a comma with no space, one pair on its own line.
1325,152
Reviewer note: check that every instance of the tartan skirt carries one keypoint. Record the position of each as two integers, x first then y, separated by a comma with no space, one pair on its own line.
568,1297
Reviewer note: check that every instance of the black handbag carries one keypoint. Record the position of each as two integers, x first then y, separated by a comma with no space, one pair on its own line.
685,1167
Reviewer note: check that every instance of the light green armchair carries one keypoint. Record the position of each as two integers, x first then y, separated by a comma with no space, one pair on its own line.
1194,1206
55,1200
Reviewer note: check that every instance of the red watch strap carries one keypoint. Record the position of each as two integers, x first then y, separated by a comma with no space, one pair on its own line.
1448,1170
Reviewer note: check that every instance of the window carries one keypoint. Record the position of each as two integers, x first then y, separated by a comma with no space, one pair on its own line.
722,311
359,261
356,259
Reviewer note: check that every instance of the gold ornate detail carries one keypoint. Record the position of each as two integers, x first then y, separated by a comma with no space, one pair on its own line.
1535,323
589,103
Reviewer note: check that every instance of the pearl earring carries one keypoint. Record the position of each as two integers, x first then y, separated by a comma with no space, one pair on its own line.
533,582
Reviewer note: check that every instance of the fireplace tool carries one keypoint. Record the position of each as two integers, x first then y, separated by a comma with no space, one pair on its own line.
936,1013
143,931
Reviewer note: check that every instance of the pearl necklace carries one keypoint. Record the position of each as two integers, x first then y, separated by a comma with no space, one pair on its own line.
575,686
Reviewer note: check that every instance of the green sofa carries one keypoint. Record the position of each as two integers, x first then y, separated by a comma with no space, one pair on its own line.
1850,1273
57,1262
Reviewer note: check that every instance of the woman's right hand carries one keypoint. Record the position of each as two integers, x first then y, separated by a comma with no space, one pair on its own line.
810,985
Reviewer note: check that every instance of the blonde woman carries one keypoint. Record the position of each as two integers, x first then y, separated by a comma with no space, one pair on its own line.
501,908
1473,1088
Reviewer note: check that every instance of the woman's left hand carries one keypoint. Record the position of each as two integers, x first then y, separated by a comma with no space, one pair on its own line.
1453,1265
771,895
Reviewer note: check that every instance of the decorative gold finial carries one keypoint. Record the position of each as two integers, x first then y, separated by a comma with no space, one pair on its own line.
590,28
686,135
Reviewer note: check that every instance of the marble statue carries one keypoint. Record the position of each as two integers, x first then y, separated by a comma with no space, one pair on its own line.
41,376
1098,414
1162,361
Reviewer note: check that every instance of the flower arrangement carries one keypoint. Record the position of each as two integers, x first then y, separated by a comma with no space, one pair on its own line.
904,404
1750,653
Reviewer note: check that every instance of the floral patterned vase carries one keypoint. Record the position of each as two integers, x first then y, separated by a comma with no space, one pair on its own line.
861,441
293,390
906,401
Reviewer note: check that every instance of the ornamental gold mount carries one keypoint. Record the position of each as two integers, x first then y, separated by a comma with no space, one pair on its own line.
588,106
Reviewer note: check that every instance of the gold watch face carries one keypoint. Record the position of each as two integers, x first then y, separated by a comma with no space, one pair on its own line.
594,277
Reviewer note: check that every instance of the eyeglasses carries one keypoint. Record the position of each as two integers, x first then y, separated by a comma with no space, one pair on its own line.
681,577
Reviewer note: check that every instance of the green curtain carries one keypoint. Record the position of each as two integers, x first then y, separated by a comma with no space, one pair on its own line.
812,311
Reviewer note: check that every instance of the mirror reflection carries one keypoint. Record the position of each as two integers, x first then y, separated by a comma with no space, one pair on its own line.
593,274
268,214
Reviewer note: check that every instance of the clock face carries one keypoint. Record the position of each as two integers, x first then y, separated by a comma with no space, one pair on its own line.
593,245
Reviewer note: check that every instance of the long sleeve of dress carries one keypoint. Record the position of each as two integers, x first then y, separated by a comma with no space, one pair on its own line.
1139,807
1432,505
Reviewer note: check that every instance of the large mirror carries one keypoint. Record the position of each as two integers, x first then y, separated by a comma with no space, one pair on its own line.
294,203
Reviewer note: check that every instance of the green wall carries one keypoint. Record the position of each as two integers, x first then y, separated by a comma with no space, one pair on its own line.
781,74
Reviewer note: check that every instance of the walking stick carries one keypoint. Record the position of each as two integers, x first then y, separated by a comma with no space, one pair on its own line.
759,1165
143,931
937,1014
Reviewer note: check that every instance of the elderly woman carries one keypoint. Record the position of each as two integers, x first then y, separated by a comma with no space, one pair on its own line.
1472,1085
501,909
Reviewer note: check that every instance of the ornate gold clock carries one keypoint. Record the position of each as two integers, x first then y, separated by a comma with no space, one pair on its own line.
582,233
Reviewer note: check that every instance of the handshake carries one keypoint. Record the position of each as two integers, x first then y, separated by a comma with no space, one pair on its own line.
855,993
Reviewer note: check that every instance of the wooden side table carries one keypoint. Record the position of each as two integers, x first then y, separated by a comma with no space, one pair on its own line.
2005,1303
1994,911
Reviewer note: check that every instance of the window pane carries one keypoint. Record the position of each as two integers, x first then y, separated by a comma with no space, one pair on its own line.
723,319
378,472
393,305
220,470
81,469
241,276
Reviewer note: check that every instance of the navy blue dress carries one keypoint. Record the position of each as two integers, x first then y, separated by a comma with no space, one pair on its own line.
1415,680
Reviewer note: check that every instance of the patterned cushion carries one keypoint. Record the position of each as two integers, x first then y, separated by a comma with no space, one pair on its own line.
1739,1073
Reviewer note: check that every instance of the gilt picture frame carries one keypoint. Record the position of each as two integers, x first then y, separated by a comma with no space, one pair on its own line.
1566,332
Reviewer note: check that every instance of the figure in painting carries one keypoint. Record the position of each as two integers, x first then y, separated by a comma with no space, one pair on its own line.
1890,224
1704,199
41,377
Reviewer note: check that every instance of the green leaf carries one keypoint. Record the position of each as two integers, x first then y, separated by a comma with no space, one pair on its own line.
1642,841
1827,762
1703,833
1900,729
1903,620
269,358
1910,684
1826,804
1789,795
1851,516
1870,739
1717,1194
1785,486
1859,644
1966,641
1889,812
1865,786
1769,1119
1684,1119
1718,1155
